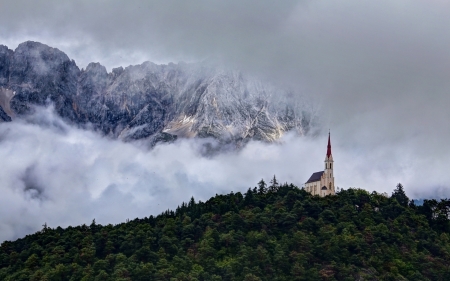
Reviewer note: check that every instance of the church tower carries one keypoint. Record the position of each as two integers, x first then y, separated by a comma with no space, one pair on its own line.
322,183
328,172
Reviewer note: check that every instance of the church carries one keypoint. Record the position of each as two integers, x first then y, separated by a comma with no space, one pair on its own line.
322,183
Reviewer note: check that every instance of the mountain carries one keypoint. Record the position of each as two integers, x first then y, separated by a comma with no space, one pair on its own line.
147,101
275,233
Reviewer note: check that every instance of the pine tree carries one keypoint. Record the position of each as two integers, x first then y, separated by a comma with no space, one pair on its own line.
262,186
400,196
191,202
273,184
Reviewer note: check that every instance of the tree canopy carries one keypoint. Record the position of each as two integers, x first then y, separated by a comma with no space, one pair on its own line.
281,233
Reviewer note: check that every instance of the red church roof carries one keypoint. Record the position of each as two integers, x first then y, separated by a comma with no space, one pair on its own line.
329,146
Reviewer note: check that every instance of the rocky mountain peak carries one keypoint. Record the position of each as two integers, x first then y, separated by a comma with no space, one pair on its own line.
5,62
33,59
147,101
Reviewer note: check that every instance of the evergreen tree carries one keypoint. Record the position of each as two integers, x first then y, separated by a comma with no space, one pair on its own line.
274,184
400,196
262,186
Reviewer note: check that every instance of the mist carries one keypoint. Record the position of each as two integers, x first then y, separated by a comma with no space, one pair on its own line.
61,175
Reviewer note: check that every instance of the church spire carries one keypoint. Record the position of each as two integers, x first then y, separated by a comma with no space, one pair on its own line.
329,146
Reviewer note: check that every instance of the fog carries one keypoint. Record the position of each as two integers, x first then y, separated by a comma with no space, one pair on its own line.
60,175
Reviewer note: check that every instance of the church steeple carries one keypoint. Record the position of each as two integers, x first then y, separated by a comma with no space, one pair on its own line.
329,146
329,165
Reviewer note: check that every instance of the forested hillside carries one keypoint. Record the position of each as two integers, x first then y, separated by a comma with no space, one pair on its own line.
269,233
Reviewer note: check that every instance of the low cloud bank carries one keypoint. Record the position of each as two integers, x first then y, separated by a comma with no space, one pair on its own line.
60,175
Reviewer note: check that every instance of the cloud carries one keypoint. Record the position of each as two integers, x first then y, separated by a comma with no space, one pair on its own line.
356,58
353,56
61,175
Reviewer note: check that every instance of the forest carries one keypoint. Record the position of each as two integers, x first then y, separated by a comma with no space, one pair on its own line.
271,232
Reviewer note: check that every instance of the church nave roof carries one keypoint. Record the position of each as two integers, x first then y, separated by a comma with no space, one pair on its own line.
315,177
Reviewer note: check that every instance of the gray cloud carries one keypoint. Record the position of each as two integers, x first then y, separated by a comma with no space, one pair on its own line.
355,57
378,70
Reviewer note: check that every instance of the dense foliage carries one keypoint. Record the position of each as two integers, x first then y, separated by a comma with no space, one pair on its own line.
272,233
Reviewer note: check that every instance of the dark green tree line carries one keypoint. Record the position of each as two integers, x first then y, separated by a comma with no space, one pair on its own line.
276,232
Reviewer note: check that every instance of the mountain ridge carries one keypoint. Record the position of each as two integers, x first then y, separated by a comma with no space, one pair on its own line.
148,101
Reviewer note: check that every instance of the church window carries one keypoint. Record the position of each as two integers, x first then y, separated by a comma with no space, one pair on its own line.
330,165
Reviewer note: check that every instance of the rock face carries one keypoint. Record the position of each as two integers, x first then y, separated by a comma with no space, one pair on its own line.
147,101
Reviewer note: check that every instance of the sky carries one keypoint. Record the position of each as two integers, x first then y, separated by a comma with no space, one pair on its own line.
377,70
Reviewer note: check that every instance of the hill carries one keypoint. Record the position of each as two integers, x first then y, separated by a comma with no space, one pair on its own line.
274,233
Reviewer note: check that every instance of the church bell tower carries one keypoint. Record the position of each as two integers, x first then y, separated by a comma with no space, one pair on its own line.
328,172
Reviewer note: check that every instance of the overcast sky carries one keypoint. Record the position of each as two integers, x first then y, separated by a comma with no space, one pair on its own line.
378,71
